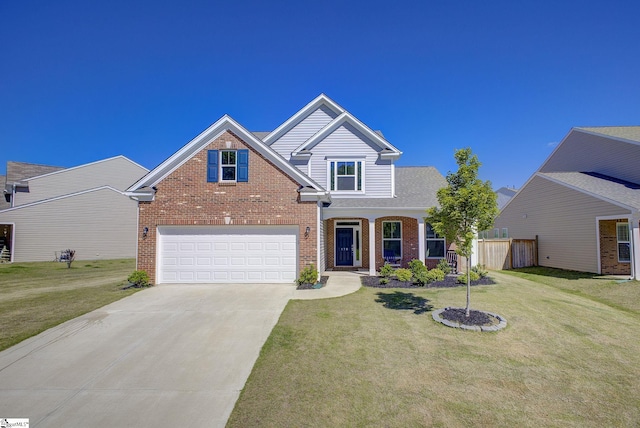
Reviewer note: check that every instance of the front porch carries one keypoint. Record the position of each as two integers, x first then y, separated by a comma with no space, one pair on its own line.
367,243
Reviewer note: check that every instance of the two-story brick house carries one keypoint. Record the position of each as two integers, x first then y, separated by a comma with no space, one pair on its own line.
323,188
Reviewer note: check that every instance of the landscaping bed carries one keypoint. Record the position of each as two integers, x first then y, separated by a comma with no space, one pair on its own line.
449,281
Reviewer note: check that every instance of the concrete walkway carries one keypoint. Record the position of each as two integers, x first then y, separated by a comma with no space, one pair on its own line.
171,355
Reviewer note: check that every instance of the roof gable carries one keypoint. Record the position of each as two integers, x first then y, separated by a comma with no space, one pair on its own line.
318,102
346,118
224,124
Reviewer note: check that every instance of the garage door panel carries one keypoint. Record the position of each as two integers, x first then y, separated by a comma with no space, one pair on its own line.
227,254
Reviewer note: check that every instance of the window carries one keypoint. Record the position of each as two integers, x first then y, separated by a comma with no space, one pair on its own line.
228,166
435,244
392,241
505,232
624,245
496,233
345,176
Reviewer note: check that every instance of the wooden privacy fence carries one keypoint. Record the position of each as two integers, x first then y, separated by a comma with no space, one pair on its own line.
507,253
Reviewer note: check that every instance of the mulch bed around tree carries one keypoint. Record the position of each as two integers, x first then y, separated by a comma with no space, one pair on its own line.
449,281
459,315
307,286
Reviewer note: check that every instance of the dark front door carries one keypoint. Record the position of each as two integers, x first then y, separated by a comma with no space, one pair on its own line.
344,247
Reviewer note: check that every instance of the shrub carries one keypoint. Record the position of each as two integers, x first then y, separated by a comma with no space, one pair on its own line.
403,274
444,266
480,270
384,281
386,271
309,275
417,267
139,278
435,274
473,276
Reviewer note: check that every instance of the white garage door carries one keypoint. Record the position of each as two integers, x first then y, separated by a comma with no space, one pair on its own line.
227,254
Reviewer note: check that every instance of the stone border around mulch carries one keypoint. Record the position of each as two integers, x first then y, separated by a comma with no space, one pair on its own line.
502,321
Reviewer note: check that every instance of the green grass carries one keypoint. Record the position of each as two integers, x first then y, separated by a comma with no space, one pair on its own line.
565,359
41,295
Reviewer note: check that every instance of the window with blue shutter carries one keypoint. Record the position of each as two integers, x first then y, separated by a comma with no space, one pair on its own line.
243,165
212,166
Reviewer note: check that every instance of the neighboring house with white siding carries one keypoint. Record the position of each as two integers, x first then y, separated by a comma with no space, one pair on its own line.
322,188
583,203
49,209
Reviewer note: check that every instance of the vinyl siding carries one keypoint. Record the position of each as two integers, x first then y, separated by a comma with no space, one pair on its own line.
304,130
563,219
99,225
348,142
590,153
118,172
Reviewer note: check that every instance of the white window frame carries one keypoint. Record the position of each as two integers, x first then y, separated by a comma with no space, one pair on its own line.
623,241
435,238
505,232
392,239
496,233
234,166
359,169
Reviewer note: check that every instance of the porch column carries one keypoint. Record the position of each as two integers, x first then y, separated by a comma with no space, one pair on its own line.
372,246
635,246
421,239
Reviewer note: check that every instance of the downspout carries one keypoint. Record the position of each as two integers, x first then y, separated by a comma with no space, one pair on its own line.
635,246
13,195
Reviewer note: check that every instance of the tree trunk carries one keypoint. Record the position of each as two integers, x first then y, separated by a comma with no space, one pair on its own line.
468,286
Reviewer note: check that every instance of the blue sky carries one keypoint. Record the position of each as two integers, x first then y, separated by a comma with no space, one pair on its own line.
86,80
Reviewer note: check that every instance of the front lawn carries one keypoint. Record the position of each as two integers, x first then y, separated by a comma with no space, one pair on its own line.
41,295
563,360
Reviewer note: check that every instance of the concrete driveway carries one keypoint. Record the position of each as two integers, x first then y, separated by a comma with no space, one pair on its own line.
172,355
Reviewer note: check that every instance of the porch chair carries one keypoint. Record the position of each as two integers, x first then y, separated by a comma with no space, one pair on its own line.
452,259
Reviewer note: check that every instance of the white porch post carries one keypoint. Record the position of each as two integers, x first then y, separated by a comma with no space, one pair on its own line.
635,246
421,239
372,246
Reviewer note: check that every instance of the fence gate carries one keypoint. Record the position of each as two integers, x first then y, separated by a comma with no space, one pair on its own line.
507,253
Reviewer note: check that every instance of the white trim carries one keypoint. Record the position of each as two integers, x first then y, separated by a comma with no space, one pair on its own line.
56,198
382,238
222,125
443,239
83,166
361,169
298,117
372,246
635,245
220,166
357,240
618,241
343,118
318,246
422,241
393,180
13,238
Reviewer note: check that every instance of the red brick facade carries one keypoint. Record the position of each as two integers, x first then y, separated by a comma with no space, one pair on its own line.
609,249
270,197
331,245
409,240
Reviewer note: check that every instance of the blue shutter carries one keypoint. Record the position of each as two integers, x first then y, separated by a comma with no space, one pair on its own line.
212,166
243,165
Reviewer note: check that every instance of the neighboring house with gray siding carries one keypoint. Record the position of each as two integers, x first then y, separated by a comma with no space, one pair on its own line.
83,208
583,203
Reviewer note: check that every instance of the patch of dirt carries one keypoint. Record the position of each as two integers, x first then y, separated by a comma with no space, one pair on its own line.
449,281
323,281
477,318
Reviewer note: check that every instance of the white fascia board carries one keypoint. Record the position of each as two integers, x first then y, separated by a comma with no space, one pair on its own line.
347,117
84,166
57,198
585,192
224,124
320,100
417,213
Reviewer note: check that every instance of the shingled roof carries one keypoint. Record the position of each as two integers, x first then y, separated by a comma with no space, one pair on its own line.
625,132
416,188
20,171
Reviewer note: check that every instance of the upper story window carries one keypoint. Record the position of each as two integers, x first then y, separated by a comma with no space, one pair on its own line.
346,176
228,166
435,244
